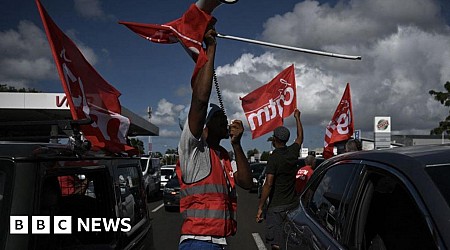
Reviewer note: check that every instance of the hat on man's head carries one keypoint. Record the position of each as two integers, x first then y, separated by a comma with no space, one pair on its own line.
282,133
212,109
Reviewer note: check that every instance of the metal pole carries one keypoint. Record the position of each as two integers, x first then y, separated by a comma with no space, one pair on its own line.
315,52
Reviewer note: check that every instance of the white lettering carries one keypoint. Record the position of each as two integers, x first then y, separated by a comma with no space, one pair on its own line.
125,222
82,224
111,224
269,110
96,225
258,116
104,117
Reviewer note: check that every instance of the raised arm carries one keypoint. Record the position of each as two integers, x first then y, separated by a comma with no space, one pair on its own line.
299,139
243,176
201,87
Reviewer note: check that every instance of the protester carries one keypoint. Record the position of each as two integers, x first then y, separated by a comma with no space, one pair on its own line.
279,186
353,145
304,173
208,194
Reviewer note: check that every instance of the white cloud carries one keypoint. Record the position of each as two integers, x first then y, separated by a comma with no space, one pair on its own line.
169,133
166,114
91,9
25,55
405,53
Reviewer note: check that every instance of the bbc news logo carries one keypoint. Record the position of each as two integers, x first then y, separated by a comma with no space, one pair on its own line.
63,225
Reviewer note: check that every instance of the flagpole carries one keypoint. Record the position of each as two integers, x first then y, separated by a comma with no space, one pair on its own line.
315,52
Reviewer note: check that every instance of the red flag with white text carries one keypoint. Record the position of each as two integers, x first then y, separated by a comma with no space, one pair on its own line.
341,126
88,94
188,30
266,106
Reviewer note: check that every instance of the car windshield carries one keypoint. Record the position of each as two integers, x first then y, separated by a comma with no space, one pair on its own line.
165,172
258,168
440,176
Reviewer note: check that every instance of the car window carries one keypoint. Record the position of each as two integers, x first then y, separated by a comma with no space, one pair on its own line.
131,200
440,175
392,219
78,192
324,199
143,164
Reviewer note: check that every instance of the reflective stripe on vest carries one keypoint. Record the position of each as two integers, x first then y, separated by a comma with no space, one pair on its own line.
207,206
208,188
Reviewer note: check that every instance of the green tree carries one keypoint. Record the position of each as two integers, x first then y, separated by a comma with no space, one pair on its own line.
138,144
172,151
444,99
252,152
6,88
157,155
264,156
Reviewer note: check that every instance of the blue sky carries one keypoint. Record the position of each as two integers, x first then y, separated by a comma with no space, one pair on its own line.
405,53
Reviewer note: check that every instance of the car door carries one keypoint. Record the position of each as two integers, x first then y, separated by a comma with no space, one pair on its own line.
389,213
318,222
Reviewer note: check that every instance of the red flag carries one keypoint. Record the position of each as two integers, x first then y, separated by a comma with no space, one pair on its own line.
188,30
266,106
341,126
88,94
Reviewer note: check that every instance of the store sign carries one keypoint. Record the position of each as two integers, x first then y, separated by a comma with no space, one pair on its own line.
382,124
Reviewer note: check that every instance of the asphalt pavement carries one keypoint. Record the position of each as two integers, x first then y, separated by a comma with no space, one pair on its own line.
249,236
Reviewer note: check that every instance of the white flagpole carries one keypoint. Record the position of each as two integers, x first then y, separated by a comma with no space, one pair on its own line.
316,52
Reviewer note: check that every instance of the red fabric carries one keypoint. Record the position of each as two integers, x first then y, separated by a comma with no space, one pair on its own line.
88,94
214,201
188,30
266,106
302,177
341,125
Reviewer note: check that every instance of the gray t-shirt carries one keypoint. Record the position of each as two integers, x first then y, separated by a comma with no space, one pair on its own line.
195,159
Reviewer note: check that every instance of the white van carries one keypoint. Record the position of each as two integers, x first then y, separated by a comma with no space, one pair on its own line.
166,173
151,172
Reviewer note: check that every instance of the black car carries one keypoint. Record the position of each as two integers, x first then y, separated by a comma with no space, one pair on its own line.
52,180
171,193
382,199
257,169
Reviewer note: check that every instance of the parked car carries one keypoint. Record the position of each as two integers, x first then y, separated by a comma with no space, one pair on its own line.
257,169
166,173
55,180
380,199
261,180
301,162
151,172
171,193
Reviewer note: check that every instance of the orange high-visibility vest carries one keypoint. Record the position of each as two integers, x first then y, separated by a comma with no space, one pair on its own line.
209,205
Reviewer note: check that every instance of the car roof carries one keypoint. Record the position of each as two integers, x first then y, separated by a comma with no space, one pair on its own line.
38,150
403,158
